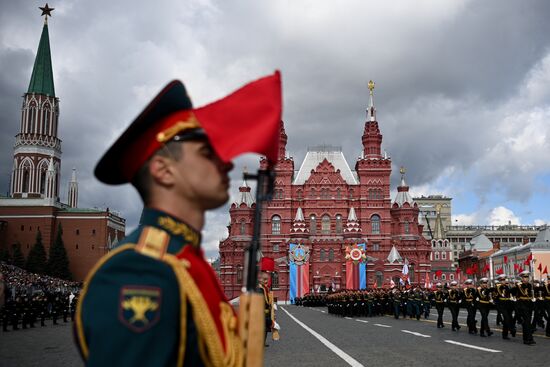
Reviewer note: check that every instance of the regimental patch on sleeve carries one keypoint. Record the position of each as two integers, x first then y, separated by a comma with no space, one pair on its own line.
139,308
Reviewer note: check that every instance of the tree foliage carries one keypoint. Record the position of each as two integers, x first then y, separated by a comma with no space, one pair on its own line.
36,261
18,257
58,263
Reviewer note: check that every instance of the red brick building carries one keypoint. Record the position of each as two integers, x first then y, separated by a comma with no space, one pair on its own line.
34,201
326,206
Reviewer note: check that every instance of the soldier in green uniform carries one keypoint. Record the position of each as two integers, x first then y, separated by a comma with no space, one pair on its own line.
154,300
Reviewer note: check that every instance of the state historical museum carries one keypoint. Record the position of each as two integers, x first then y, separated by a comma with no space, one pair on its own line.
330,226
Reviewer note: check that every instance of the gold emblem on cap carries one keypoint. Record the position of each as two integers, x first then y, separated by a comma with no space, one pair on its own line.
178,127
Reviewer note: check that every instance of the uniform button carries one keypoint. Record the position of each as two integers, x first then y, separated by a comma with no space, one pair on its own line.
233,323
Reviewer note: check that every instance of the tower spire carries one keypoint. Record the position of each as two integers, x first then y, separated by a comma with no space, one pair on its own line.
372,138
371,113
42,72
73,191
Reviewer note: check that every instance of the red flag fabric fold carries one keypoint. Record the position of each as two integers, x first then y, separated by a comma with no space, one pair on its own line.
505,259
540,267
545,270
438,273
246,121
499,271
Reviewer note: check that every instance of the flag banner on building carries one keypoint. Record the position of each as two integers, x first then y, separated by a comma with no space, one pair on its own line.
299,270
356,266
405,273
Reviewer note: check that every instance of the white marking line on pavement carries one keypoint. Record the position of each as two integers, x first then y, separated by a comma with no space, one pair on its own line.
415,333
324,311
365,321
473,346
348,318
381,325
339,352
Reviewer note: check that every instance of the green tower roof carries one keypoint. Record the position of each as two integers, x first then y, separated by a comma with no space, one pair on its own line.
42,74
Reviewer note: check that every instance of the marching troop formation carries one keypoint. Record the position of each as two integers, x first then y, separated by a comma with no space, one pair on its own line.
516,301
27,298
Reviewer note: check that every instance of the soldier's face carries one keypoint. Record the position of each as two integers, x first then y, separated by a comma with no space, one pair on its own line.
201,176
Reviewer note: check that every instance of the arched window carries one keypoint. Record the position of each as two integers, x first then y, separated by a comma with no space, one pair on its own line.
26,180
299,195
325,224
338,223
379,279
443,277
312,224
239,274
322,255
437,255
331,254
443,255
338,193
407,227
46,121
243,227
351,193
32,120
275,224
275,280
375,224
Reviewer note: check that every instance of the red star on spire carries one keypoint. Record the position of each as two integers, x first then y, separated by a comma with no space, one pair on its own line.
46,10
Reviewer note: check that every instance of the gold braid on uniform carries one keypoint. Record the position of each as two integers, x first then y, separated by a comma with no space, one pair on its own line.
179,229
210,344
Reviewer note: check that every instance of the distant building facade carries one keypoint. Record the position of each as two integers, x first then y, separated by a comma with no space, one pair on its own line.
333,212
34,201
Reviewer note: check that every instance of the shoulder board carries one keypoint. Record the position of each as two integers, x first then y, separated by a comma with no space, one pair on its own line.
153,242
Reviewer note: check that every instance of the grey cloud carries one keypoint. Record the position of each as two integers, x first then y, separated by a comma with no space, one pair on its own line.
443,73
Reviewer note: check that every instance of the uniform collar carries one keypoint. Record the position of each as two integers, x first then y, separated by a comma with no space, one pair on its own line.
181,233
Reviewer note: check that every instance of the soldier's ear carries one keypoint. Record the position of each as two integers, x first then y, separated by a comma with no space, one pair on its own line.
161,170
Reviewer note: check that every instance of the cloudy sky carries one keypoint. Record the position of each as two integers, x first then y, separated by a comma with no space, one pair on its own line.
462,87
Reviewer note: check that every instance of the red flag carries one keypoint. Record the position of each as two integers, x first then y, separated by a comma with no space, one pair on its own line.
530,257
545,270
438,273
457,270
527,262
499,271
374,285
486,268
505,259
516,266
474,268
469,271
520,269
246,121
540,267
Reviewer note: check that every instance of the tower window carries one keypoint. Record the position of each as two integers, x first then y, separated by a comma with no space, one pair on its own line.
243,228
407,227
276,225
331,254
325,224
338,223
322,255
78,232
375,224
312,225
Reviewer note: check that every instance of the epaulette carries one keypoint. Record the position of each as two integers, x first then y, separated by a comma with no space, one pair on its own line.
153,242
